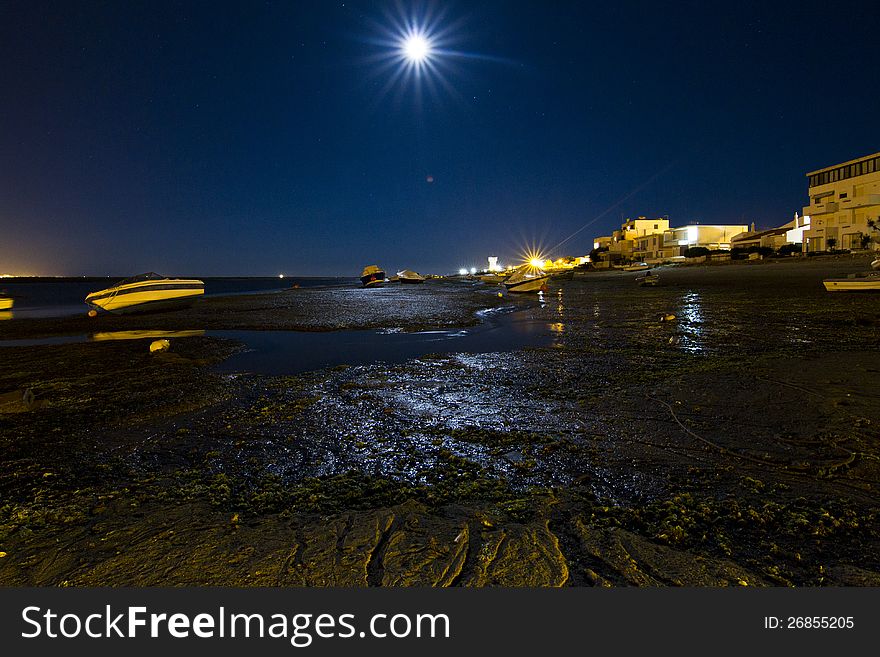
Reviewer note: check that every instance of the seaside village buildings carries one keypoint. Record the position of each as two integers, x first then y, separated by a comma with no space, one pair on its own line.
844,204
652,240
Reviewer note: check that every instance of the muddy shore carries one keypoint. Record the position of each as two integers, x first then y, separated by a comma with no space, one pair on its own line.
735,444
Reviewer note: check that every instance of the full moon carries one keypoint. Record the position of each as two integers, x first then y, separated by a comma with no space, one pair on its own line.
416,48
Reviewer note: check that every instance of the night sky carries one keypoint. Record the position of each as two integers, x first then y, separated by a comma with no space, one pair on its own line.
218,138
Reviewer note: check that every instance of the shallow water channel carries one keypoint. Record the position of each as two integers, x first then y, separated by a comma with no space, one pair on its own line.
291,352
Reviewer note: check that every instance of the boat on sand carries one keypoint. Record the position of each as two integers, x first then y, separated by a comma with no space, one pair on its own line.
146,293
648,279
867,281
372,276
409,276
526,279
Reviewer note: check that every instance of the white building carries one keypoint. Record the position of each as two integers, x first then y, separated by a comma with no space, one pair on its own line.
714,237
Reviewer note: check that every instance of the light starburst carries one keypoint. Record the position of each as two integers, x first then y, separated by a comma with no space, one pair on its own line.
416,48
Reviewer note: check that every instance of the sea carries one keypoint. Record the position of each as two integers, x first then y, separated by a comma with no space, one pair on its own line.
62,297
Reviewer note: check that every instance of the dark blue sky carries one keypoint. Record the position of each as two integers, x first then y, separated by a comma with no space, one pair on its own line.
220,138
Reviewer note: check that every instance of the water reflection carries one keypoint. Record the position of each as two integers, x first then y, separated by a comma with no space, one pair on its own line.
5,314
142,335
691,321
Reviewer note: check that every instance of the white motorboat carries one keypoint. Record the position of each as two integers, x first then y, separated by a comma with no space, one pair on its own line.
409,276
637,266
526,279
145,293
868,281
875,265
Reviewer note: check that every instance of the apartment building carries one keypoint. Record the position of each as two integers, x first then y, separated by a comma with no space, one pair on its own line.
843,198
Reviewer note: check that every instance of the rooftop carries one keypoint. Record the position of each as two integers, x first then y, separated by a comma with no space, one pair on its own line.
843,164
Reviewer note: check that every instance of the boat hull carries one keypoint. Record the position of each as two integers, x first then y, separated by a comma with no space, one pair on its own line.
851,285
146,296
528,285
412,281
375,279
5,303
492,278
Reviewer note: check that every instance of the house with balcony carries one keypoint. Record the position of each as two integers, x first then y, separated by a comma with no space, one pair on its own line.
624,244
843,198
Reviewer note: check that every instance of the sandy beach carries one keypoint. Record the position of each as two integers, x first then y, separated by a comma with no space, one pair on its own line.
735,444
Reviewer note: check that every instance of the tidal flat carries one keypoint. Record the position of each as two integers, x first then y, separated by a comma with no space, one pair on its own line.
734,444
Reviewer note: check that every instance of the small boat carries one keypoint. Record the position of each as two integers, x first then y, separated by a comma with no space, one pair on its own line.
372,276
637,266
875,265
868,281
648,280
145,293
492,278
526,279
6,302
409,276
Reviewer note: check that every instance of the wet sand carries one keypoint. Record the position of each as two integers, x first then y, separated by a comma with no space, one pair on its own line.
733,445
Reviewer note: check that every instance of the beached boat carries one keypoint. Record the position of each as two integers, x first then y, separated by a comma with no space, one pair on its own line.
6,302
409,276
526,279
876,264
372,276
637,266
868,281
492,278
146,293
648,280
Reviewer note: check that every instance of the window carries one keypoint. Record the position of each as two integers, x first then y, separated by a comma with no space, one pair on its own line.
843,194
